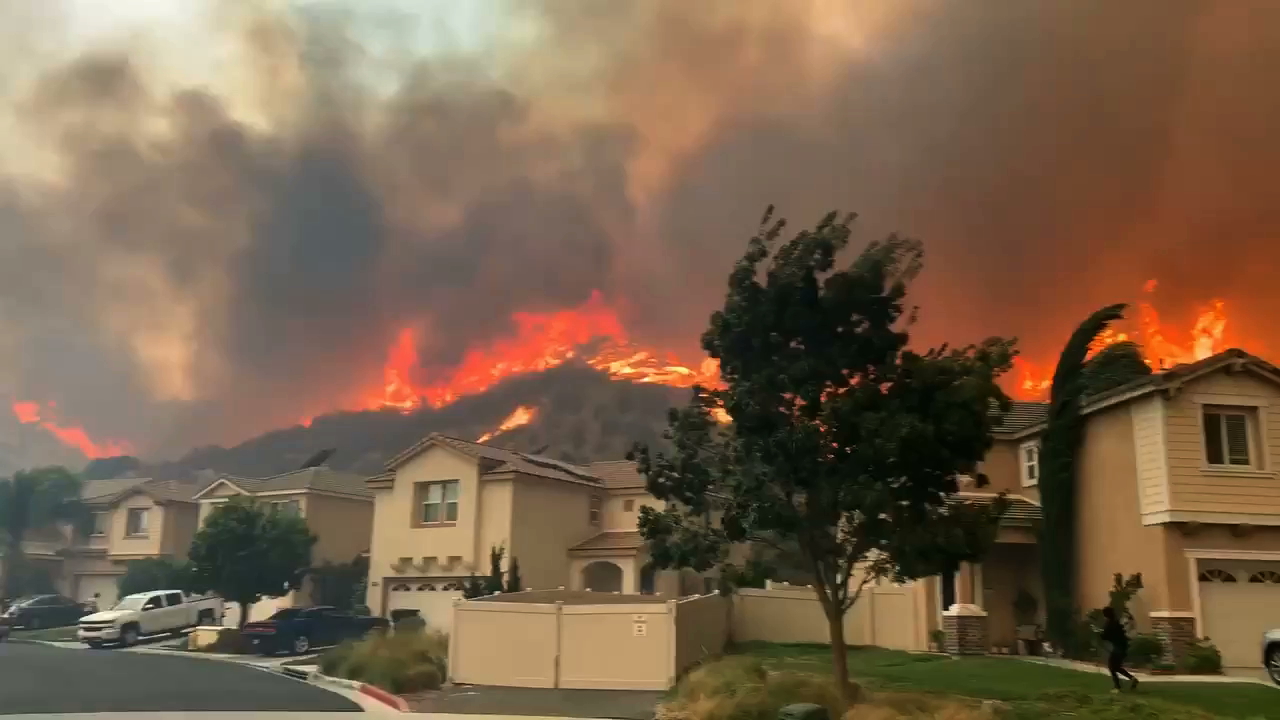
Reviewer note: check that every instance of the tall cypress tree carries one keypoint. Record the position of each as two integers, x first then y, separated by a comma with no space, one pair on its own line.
1058,450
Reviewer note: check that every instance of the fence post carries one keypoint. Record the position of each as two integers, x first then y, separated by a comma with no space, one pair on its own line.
673,643
555,669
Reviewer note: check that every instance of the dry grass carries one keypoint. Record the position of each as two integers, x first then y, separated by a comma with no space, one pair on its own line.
399,662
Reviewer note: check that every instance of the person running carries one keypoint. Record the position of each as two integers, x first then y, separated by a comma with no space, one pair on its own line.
1114,634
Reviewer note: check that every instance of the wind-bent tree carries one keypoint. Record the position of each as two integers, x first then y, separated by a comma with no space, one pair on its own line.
246,552
32,500
1114,366
1058,448
845,446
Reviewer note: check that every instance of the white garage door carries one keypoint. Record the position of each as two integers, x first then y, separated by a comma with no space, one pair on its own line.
104,585
1239,602
432,598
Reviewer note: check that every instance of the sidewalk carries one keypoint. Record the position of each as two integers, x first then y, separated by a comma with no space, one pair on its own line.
1146,677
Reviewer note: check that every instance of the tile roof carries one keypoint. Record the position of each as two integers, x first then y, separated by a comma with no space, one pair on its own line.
94,491
1021,416
499,460
313,478
106,492
612,540
1020,512
617,474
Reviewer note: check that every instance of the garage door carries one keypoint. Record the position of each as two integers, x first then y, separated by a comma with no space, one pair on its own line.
103,585
1239,602
432,598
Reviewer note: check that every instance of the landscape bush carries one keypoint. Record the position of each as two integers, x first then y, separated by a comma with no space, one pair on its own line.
398,662
741,688
1202,658
1145,650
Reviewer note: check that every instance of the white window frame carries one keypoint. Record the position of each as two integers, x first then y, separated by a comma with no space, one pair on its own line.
1250,430
143,525
282,505
94,529
1024,464
595,510
444,502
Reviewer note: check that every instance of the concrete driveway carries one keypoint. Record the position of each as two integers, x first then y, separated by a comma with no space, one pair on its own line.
43,679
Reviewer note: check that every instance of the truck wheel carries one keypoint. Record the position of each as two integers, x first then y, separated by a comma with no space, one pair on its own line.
301,645
129,636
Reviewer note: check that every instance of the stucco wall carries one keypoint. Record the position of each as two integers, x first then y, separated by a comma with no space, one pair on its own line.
549,518
1004,471
181,520
150,544
341,525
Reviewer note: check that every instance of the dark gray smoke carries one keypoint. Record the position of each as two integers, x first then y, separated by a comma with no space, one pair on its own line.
190,273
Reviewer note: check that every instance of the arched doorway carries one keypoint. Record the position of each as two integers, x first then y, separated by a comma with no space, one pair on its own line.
602,576
647,579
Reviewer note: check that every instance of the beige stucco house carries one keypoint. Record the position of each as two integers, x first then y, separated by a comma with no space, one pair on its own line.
132,519
445,502
1178,479
337,507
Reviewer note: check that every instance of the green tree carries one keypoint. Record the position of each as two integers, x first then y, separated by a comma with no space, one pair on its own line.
473,588
493,583
153,574
32,500
340,585
513,576
1114,366
1058,449
844,446
246,552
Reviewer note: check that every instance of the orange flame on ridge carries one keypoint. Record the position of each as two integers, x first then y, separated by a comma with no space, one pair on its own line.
1159,351
30,413
520,417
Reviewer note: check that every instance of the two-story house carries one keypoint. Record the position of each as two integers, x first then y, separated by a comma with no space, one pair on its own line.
1178,479
132,519
337,507
445,502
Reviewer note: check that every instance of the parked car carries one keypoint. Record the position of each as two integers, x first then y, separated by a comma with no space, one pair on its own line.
149,613
299,630
1271,654
43,611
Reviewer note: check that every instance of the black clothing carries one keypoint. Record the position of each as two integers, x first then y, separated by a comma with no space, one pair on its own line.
1115,636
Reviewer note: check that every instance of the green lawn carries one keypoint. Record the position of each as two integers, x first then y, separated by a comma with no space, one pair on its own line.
64,634
1012,680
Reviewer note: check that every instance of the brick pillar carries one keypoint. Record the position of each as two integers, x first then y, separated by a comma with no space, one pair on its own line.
1176,633
966,629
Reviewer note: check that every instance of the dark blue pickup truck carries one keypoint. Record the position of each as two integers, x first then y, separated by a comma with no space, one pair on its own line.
299,630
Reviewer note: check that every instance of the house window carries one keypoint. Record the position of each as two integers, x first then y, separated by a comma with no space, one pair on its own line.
947,590
593,511
288,507
1265,577
1030,461
1216,575
99,523
136,522
439,502
1227,437
628,505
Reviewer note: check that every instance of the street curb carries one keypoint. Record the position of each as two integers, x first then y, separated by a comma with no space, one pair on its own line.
395,702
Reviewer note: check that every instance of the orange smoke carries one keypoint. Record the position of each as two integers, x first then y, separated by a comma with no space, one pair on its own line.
521,416
30,413
1160,349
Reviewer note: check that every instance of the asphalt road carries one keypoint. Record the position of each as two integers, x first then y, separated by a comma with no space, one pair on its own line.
43,679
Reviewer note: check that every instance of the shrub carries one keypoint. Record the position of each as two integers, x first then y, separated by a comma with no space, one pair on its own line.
741,688
399,662
1145,650
1202,658
938,637
411,624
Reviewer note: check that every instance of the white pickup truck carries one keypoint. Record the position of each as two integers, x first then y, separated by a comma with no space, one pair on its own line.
149,613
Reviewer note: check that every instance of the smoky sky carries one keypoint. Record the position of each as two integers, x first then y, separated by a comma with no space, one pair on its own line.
189,274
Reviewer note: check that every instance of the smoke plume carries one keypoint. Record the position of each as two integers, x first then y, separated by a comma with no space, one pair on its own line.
187,261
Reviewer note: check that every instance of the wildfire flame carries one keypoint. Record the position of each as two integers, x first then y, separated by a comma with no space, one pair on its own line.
30,413
521,416
1159,351
540,341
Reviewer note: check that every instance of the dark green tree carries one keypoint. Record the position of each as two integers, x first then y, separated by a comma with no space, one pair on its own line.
148,574
1113,366
246,552
513,576
33,500
845,446
474,587
1058,449
340,585
493,583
